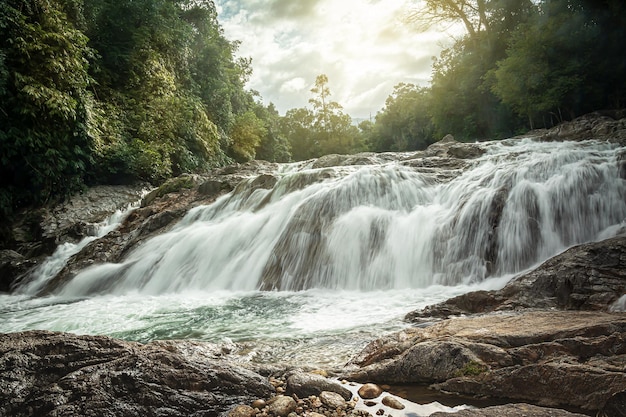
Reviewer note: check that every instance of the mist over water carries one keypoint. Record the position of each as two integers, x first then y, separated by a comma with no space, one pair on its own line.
346,251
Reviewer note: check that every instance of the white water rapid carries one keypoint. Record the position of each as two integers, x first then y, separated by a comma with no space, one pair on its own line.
383,226
349,250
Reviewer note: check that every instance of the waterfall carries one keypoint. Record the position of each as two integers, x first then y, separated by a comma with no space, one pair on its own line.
390,224
55,262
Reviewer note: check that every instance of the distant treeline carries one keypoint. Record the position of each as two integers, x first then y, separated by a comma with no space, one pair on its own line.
113,91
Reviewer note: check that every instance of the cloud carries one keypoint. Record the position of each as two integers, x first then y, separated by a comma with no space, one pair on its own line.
290,9
363,46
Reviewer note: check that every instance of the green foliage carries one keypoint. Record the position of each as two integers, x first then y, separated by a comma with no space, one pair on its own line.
405,122
44,103
297,127
472,368
324,130
117,90
553,79
541,61
274,146
246,136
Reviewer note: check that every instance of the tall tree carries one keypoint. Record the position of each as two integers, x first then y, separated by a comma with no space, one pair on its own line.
45,105
334,130
405,122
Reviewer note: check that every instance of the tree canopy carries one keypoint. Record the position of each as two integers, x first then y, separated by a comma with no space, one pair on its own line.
110,91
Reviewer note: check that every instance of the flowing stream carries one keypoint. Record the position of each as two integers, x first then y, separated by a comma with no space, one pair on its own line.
311,267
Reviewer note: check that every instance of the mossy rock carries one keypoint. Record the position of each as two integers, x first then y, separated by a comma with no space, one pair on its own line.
170,186
472,368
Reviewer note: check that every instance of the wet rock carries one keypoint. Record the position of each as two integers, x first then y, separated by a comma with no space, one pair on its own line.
615,406
12,267
306,384
598,125
510,410
393,403
242,411
47,373
591,276
332,400
259,404
370,391
449,147
282,405
555,358
210,188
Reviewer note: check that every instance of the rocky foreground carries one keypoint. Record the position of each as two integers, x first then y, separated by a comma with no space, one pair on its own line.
553,337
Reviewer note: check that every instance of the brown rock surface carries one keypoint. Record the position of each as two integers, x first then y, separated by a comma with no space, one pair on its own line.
551,357
46,374
590,276
510,410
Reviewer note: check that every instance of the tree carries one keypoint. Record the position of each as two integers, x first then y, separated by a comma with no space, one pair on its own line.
274,146
405,122
297,127
45,105
549,80
334,130
462,102
246,136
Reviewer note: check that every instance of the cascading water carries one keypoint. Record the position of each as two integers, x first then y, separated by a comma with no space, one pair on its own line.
55,262
385,226
350,250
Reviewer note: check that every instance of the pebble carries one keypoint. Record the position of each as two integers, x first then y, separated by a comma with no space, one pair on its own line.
392,402
332,400
370,391
326,404
242,411
259,404
282,405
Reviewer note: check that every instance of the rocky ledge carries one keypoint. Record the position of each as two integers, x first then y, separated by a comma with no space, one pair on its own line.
555,336
57,374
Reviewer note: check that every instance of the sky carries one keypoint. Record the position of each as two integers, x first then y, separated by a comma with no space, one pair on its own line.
365,47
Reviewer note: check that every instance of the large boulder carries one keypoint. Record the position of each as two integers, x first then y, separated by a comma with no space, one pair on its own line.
52,374
554,358
591,276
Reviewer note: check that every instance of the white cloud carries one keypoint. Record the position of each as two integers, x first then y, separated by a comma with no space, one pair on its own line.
362,45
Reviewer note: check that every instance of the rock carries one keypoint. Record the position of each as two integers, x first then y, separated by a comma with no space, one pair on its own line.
370,391
259,404
87,208
242,411
615,406
568,358
591,276
305,384
597,125
332,400
449,147
393,403
510,410
12,267
210,188
282,405
185,181
47,373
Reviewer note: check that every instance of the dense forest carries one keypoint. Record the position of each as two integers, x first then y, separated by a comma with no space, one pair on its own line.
115,91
